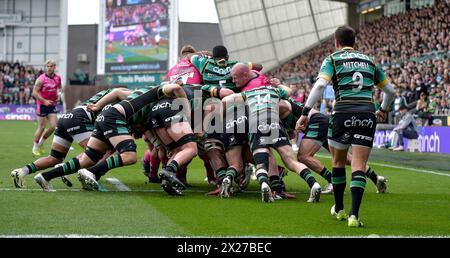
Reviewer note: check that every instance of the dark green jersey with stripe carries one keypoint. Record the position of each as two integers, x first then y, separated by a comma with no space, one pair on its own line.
97,97
354,76
263,99
138,104
214,72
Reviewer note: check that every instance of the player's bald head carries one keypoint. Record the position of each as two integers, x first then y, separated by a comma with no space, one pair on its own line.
240,68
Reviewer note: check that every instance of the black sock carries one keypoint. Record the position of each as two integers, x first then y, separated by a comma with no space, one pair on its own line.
325,173
67,168
262,176
339,182
231,172
370,173
173,166
31,168
357,186
308,177
104,166
275,183
221,174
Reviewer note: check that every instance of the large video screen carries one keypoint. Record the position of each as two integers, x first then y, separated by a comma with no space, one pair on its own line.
136,35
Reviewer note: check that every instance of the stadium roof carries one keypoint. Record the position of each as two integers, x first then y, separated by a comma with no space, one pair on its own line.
273,31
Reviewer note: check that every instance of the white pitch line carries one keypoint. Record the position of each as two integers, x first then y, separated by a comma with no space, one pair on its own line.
399,167
231,237
119,185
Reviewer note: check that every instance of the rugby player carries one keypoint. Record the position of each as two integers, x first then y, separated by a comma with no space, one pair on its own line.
353,122
77,125
113,131
47,90
265,132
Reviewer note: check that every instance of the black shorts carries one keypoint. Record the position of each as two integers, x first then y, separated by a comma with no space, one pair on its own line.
235,131
74,125
44,111
317,128
163,116
269,134
110,123
352,129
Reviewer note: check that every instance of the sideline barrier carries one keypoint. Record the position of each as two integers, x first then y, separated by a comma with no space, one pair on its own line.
434,139
21,112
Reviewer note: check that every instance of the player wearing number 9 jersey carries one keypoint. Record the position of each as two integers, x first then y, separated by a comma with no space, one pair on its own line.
354,77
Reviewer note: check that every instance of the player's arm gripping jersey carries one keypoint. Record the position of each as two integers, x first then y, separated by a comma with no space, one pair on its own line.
354,77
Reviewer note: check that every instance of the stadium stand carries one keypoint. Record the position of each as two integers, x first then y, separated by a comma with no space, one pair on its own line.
16,83
413,49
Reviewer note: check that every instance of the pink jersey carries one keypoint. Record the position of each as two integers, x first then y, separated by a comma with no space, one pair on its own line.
187,71
258,81
49,87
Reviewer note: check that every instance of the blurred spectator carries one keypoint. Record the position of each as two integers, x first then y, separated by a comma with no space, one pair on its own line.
16,83
407,128
422,109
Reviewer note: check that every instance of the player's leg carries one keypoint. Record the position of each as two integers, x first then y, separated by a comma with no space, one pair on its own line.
261,158
52,120
41,121
287,155
235,167
379,181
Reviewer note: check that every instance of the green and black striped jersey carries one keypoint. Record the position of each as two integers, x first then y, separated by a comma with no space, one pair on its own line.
263,99
354,76
213,72
97,97
138,104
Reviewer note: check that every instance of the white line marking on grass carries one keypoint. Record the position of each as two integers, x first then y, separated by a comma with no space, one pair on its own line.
399,167
231,237
119,185
133,191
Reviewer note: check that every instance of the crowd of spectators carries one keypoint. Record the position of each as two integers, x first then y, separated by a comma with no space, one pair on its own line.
16,83
413,49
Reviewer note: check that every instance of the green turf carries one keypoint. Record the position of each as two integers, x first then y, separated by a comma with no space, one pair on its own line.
417,203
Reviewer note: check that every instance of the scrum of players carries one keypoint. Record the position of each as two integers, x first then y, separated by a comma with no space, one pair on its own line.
226,112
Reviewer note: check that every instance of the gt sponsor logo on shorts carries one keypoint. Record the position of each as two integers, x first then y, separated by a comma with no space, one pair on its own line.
107,132
172,118
279,139
354,122
363,137
73,129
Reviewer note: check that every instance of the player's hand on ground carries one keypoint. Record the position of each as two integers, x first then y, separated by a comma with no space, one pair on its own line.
381,116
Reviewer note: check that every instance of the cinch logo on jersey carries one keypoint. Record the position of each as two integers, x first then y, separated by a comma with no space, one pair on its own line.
236,122
107,107
358,122
267,127
66,116
100,118
362,137
352,55
226,70
161,105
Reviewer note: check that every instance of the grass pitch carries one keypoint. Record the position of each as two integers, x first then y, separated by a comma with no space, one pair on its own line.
417,203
